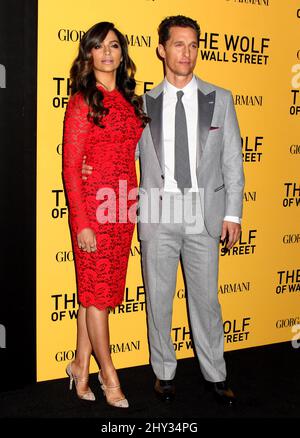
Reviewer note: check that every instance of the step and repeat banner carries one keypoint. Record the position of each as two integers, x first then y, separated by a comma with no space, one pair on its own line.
251,47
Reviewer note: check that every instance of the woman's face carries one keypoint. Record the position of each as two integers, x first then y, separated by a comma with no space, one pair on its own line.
107,55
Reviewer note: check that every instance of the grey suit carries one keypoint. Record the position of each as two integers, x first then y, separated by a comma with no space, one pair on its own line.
220,177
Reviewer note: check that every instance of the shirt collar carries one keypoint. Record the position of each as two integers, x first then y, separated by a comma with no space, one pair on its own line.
189,90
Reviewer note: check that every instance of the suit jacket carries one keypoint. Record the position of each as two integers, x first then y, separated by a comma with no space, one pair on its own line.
219,165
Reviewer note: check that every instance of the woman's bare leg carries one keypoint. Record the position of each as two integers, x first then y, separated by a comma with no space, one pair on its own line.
80,366
98,330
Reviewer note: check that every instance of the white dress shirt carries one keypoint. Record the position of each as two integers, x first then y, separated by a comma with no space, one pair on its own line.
190,103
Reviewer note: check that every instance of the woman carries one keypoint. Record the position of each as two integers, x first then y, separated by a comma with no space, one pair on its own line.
103,122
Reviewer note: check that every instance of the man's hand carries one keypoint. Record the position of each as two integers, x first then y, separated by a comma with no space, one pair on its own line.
87,240
232,232
86,169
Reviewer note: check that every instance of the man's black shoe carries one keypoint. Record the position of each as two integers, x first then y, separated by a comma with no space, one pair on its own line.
222,393
165,390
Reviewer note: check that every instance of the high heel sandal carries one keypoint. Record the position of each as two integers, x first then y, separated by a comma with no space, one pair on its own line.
111,400
87,395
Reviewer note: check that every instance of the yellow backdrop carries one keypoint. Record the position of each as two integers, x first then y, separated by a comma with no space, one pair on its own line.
250,47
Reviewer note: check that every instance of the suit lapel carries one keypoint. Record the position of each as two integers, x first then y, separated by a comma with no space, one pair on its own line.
154,105
154,110
206,106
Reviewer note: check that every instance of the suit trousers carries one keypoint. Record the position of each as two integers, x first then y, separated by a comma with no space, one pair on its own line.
176,239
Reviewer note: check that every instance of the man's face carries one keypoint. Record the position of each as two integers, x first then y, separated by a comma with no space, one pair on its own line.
180,51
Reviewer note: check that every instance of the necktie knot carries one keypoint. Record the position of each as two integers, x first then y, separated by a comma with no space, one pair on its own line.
179,95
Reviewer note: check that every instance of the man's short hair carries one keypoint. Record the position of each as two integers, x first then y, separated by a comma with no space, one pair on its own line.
176,21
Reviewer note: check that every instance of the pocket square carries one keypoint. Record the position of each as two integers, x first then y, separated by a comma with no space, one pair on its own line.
213,128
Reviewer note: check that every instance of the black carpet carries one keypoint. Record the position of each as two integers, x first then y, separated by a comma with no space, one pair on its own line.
265,379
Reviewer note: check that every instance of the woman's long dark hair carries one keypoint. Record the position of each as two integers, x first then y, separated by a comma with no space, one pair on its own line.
83,79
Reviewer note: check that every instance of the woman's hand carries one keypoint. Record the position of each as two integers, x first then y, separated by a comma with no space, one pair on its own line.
86,240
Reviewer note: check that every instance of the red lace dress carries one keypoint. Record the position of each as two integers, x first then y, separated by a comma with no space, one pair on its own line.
107,200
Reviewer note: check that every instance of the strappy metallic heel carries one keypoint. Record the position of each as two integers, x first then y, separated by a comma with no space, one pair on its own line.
108,393
87,395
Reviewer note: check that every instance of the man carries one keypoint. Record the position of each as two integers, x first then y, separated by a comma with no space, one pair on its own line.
191,192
